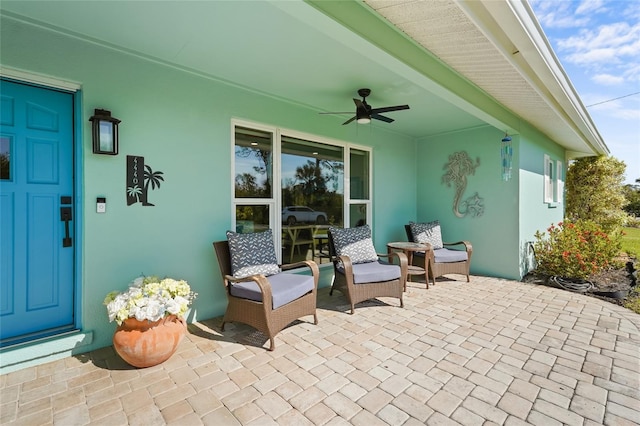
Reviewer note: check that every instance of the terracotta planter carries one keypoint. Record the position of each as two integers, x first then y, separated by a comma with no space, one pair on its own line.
147,343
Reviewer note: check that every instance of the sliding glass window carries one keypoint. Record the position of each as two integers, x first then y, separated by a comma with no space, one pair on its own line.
312,177
253,179
315,189
360,199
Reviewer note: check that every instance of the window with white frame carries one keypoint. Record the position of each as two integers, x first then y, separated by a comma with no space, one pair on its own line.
548,179
322,183
553,183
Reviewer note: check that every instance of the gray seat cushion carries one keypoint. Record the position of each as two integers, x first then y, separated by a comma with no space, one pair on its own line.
444,255
373,272
285,288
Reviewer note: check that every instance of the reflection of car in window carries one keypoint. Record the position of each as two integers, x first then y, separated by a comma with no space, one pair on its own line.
302,214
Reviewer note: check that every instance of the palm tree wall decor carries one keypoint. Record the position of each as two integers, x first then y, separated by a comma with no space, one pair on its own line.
139,177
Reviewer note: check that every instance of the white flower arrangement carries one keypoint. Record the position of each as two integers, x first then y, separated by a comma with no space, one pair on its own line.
150,298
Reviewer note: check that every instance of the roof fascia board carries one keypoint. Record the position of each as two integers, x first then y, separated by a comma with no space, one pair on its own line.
418,64
570,155
515,32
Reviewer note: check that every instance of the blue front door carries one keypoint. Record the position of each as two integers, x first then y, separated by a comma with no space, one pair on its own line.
36,212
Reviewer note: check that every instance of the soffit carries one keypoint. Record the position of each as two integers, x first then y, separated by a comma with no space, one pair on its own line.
287,50
294,52
445,28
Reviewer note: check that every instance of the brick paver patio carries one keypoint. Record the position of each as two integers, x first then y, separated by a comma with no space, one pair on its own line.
487,352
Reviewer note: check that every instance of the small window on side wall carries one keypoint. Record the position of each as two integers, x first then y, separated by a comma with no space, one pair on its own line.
549,171
553,183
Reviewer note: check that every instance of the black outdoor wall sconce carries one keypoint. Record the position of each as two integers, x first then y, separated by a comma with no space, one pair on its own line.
104,130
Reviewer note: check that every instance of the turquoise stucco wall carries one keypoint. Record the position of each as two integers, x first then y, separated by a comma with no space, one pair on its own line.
494,234
513,210
181,123
535,215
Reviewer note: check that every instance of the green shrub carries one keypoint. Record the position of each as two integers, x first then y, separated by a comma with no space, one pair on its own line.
594,191
575,249
632,196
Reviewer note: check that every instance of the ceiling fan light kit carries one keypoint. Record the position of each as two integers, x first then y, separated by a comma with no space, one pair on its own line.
363,117
364,111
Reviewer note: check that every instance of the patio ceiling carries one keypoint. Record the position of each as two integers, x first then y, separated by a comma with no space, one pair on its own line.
318,54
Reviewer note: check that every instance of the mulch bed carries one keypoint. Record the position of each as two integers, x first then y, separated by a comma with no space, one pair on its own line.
611,285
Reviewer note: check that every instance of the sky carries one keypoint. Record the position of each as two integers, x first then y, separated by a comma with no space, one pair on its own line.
598,45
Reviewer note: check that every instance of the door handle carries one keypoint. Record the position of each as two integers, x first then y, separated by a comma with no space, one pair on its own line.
66,217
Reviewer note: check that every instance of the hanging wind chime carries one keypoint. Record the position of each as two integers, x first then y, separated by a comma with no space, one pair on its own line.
506,153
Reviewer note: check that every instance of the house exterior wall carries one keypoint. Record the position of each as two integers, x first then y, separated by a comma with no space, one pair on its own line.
180,123
535,214
493,233
513,210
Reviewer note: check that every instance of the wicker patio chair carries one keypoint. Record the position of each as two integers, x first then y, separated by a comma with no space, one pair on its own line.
268,303
441,260
360,279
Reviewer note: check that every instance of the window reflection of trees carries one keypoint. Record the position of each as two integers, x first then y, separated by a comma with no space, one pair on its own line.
253,218
254,163
317,184
315,177
247,184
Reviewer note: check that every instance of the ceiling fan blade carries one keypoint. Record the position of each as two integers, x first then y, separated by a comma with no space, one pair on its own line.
382,118
389,109
364,112
359,104
342,112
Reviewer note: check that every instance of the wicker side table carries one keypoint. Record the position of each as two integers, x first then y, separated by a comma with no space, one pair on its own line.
409,248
